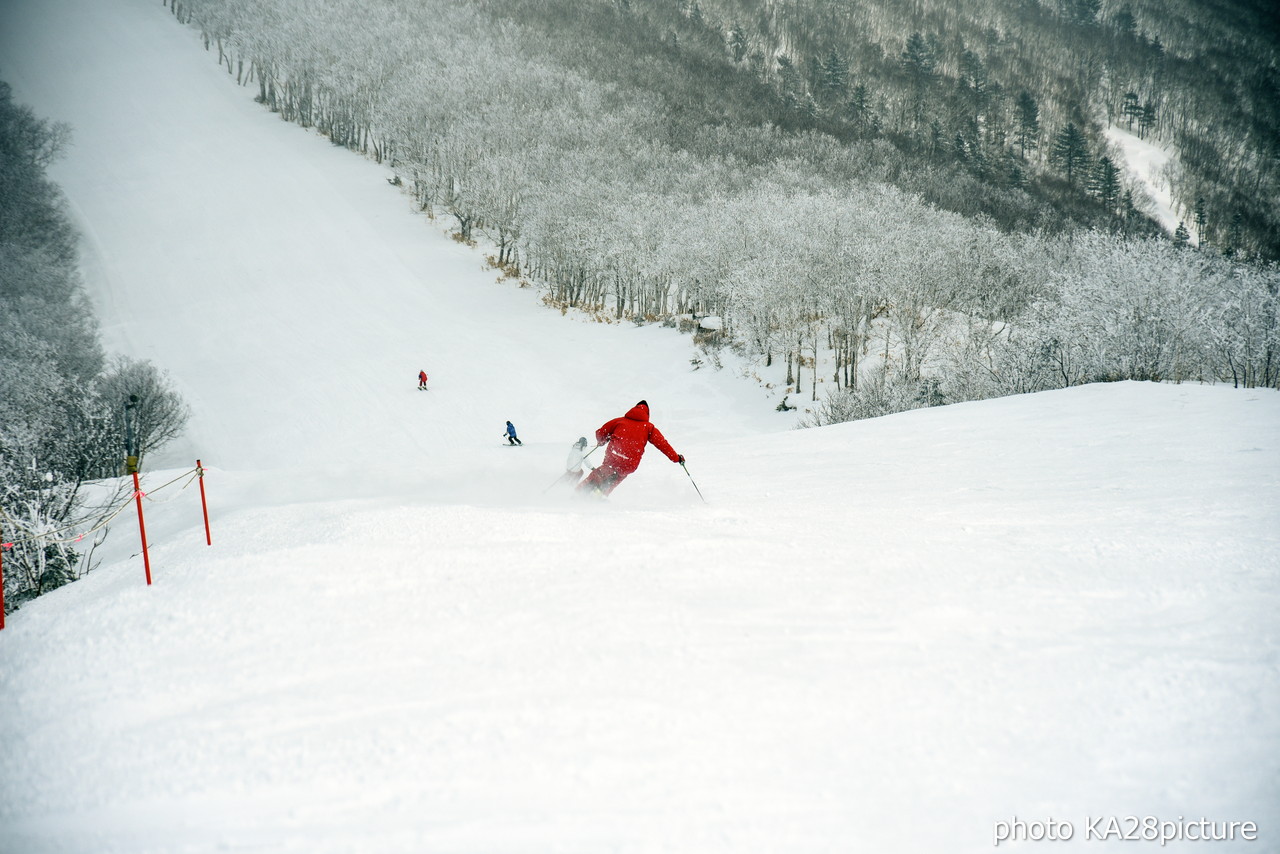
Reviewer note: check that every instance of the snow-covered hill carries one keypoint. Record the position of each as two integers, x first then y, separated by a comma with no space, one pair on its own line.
884,636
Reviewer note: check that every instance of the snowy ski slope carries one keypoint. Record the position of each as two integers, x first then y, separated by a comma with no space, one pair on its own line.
885,636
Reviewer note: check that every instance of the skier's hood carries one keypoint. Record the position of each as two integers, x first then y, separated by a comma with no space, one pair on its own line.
639,412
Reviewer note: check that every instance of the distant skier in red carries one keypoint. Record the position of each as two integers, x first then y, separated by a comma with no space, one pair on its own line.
422,379
627,437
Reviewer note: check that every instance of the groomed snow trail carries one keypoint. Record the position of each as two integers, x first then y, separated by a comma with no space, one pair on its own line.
293,295
885,636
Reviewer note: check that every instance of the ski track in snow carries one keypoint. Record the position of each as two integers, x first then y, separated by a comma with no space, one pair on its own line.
882,636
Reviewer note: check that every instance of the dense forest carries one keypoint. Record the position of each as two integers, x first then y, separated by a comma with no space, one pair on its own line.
996,107
908,204
1015,93
62,400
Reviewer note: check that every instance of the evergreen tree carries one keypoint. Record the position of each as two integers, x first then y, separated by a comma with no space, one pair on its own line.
859,107
1235,233
1125,23
791,85
1201,220
1105,184
919,61
1147,120
935,136
1131,109
738,43
1128,210
973,74
1028,123
835,76
1082,12
1181,235
1070,151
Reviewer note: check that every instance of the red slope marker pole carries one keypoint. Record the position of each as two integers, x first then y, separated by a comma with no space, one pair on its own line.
204,504
142,525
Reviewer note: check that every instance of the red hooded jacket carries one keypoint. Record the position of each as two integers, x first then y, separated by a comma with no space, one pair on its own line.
627,437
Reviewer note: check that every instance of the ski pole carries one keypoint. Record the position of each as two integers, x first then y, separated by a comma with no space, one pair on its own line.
694,482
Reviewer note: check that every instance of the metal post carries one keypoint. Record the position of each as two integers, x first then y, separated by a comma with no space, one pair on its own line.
130,438
208,537
142,525
131,465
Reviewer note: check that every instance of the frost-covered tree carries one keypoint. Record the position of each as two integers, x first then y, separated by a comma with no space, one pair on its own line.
58,401
637,165
1242,333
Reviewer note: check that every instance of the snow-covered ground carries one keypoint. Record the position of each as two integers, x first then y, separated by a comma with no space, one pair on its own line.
886,636
1148,164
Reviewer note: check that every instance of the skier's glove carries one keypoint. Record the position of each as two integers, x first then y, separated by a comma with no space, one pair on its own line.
680,459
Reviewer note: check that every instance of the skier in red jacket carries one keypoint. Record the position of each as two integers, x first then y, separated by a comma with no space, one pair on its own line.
627,437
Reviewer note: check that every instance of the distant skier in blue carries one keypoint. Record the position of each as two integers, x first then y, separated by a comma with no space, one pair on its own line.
512,438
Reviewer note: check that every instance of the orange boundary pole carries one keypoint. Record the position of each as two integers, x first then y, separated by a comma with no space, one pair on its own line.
204,505
142,526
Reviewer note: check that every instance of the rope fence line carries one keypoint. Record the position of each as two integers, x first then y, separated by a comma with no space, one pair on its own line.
47,536
195,473
134,497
